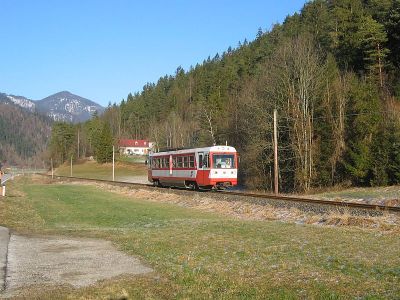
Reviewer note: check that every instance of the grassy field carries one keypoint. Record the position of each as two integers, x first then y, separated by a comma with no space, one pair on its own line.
387,195
199,255
91,169
133,159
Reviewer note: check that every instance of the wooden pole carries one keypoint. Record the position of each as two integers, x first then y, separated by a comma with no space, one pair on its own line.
4,191
113,163
78,143
52,170
71,165
276,171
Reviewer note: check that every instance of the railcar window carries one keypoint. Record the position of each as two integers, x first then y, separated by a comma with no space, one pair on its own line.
180,161
161,163
191,161
174,162
185,161
158,163
206,161
223,161
164,162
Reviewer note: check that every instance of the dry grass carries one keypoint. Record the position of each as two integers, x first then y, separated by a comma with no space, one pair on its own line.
388,222
389,195
20,215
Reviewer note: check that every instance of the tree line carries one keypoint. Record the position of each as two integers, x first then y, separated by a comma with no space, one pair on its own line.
75,141
23,136
333,73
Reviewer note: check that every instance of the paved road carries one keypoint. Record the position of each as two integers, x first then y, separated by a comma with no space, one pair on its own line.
4,239
56,260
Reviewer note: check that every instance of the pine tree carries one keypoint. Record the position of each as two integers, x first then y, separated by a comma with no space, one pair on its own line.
104,145
364,116
62,142
393,168
373,38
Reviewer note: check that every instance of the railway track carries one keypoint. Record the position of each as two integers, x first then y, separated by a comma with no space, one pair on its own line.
309,201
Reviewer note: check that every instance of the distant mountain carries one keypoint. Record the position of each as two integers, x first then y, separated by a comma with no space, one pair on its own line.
62,106
20,101
23,135
65,106
25,124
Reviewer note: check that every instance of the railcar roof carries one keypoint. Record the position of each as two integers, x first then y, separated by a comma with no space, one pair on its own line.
192,150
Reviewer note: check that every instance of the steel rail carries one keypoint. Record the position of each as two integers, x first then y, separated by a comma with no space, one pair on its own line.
318,201
342,204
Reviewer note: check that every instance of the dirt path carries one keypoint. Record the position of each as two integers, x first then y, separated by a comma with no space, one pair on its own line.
4,238
57,260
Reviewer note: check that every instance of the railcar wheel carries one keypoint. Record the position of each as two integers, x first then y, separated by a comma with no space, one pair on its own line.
157,183
192,186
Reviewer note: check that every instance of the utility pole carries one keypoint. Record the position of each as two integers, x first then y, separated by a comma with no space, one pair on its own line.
78,143
276,171
113,163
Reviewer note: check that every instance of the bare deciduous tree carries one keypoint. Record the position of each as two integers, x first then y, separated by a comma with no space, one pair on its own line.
295,73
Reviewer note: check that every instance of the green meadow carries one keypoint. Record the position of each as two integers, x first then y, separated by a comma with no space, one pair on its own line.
199,255
92,169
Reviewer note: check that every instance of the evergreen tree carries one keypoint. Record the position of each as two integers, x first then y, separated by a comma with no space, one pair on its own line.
104,145
373,38
362,126
393,168
62,142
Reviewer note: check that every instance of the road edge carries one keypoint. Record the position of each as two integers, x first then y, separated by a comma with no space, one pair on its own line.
4,241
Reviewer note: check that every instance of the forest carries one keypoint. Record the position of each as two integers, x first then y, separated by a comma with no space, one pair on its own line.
331,71
23,137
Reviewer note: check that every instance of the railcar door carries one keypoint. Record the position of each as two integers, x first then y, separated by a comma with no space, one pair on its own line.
200,172
203,169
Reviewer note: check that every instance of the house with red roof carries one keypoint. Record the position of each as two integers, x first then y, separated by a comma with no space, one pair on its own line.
134,147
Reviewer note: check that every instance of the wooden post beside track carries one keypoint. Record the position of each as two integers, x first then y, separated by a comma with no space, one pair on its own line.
3,187
113,164
276,170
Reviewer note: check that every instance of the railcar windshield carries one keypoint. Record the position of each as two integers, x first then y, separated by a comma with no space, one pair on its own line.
224,161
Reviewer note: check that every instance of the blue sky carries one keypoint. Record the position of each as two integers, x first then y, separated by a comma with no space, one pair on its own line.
102,50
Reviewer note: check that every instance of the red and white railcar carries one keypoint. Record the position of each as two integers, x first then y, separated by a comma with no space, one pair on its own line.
206,168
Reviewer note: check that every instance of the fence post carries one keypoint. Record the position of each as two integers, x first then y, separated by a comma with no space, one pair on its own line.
113,171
